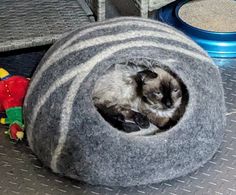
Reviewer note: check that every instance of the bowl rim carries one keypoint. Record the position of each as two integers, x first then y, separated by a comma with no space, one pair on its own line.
191,27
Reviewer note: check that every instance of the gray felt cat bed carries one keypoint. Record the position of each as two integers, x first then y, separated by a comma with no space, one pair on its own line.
68,134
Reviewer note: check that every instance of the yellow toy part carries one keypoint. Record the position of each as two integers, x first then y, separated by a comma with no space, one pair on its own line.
20,135
3,121
3,73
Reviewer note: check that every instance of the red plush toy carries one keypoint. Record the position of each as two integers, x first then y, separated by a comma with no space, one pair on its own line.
12,92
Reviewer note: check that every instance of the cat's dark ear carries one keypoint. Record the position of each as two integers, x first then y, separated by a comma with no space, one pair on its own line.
146,74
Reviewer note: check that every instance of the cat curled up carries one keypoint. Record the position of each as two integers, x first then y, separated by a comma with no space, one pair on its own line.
132,98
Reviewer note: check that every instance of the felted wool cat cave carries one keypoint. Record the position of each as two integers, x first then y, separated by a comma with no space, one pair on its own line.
67,133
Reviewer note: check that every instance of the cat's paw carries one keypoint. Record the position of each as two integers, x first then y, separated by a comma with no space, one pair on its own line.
129,127
115,120
141,120
119,117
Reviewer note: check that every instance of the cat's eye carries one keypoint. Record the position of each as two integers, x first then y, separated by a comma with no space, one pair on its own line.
158,93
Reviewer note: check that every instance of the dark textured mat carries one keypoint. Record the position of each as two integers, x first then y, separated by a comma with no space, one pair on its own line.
30,23
22,173
23,61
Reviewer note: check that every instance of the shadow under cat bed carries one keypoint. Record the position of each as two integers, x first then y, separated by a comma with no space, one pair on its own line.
68,134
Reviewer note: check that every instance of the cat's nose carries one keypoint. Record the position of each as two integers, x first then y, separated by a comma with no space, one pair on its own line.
168,104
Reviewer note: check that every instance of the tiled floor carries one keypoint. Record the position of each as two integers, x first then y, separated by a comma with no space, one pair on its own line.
21,173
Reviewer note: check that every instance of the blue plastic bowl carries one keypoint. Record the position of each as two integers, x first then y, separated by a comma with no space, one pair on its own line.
217,44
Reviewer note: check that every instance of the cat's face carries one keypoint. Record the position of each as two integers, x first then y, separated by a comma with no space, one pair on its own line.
161,90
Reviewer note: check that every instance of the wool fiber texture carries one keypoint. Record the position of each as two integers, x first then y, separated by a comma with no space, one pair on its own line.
69,136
